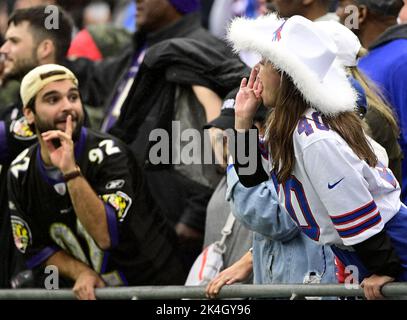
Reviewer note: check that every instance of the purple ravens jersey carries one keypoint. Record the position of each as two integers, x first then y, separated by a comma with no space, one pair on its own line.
44,221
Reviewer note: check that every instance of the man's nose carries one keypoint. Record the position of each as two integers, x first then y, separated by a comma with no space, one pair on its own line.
67,104
4,48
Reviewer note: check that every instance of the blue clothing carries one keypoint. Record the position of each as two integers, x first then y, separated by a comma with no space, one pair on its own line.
129,21
395,229
281,252
386,65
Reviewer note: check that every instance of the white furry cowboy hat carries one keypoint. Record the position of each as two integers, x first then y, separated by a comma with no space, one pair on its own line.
299,48
346,41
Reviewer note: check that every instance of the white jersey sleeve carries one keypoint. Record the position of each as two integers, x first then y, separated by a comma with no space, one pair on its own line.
336,174
335,197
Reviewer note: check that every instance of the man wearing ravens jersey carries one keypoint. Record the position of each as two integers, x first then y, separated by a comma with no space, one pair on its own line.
28,43
326,174
77,200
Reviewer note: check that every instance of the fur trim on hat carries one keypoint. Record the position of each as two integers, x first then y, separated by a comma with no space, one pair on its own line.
331,95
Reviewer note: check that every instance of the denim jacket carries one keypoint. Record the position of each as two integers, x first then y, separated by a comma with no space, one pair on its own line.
281,252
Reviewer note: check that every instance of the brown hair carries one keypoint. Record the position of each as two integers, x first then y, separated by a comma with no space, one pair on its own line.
289,105
36,17
375,99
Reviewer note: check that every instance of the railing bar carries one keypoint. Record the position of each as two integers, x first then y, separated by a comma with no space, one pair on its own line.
198,292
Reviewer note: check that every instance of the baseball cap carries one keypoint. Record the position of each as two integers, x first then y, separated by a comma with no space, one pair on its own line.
39,77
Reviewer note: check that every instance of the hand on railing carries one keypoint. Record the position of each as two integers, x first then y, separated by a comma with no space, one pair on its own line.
237,272
372,286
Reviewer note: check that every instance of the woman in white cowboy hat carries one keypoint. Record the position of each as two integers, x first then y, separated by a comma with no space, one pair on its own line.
327,176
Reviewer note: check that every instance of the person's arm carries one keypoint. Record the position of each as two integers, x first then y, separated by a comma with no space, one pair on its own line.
90,210
237,272
357,220
247,101
88,207
378,254
86,280
211,102
257,208
248,163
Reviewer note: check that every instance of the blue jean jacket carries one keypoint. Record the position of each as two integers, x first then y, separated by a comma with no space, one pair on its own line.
281,252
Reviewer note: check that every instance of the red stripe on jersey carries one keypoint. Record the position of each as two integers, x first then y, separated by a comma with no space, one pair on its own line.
354,211
363,229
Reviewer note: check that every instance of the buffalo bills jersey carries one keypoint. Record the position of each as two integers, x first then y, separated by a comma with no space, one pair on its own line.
335,197
44,221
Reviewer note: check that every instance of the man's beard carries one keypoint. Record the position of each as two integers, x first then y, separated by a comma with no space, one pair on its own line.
44,126
20,68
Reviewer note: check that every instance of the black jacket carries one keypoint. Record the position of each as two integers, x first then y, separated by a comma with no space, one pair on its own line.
172,63
103,78
182,55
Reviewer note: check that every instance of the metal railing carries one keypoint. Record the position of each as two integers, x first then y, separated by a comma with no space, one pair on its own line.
285,291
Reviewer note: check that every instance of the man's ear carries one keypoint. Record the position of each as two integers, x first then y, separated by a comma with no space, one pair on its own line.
363,13
46,51
29,115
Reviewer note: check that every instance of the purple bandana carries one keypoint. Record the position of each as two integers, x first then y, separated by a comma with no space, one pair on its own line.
185,6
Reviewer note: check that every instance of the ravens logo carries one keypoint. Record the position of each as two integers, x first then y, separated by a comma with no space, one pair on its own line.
21,129
120,201
21,233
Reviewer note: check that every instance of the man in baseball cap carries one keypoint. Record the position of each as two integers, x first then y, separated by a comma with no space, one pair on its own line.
79,210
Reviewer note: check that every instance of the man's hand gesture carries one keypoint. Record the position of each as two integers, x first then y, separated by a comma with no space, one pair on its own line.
61,156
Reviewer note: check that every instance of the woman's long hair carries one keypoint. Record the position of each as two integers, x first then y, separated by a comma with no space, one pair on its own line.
288,107
376,100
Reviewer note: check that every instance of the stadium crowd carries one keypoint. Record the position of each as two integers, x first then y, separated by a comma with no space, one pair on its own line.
123,125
